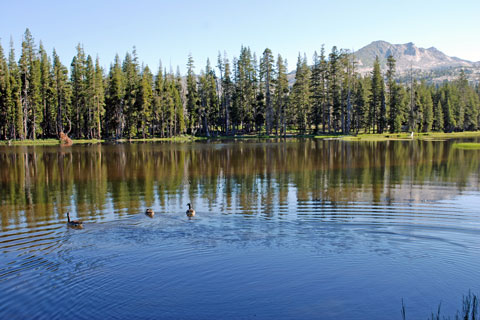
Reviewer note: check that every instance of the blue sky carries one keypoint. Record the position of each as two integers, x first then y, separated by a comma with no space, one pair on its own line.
170,30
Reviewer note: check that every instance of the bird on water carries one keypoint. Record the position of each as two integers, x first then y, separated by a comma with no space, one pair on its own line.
190,211
74,223
150,213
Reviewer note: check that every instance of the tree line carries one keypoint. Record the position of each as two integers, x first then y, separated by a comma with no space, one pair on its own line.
41,97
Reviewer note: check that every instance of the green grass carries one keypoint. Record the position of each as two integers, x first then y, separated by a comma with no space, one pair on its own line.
85,141
467,146
416,136
46,142
405,136
184,138
38,142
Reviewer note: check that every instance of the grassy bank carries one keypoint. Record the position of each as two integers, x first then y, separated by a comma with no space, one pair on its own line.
417,136
46,142
359,137
184,138
55,142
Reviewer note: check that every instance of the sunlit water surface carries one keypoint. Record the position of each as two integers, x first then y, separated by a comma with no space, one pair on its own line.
296,229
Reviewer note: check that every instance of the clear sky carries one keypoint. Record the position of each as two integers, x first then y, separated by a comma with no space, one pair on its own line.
170,30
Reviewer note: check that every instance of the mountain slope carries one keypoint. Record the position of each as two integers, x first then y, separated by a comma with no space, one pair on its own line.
407,56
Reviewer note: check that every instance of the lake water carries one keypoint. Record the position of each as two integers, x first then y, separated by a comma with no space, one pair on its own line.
295,229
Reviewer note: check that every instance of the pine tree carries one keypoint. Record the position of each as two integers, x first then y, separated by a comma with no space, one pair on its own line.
459,97
281,97
131,72
15,103
90,99
157,112
438,117
207,91
449,120
375,97
192,96
300,97
427,107
382,116
78,81
361,105
226,90
472,104
145,97
349,82
398,114
169,105
29,74
246,89
46,94
4,95
99,99
394,116
317,91
61,93
115,100
267,74
179,109
334,90
417,113
36,117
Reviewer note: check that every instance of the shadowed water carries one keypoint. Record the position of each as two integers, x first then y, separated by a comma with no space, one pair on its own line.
296,229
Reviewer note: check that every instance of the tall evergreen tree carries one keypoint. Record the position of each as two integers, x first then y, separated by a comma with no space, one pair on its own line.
192,96
394,116
99,99
179,107
449,120
375,96
131,73
281,97
61,92
334,90
427,108
226,90
30,93
4,95
90,99
361,106
78,81
15,109
115,100
300,98
438,117
267,74
145,99
317,91
46,94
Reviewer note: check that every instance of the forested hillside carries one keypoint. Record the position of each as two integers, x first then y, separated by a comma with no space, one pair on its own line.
40,97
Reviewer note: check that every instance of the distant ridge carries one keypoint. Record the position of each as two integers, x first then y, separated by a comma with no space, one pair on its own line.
407,55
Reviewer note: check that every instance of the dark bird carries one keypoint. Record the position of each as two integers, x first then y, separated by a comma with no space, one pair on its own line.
74,223
149,212
190,211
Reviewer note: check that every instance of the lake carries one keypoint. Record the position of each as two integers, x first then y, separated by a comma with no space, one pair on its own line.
284,229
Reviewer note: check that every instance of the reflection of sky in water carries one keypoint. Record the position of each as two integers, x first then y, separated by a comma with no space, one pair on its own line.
313,236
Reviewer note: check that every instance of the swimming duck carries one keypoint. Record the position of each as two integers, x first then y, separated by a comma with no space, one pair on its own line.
74,223
149,212
190,211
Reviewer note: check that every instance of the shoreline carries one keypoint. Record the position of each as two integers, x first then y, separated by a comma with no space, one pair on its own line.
432,136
